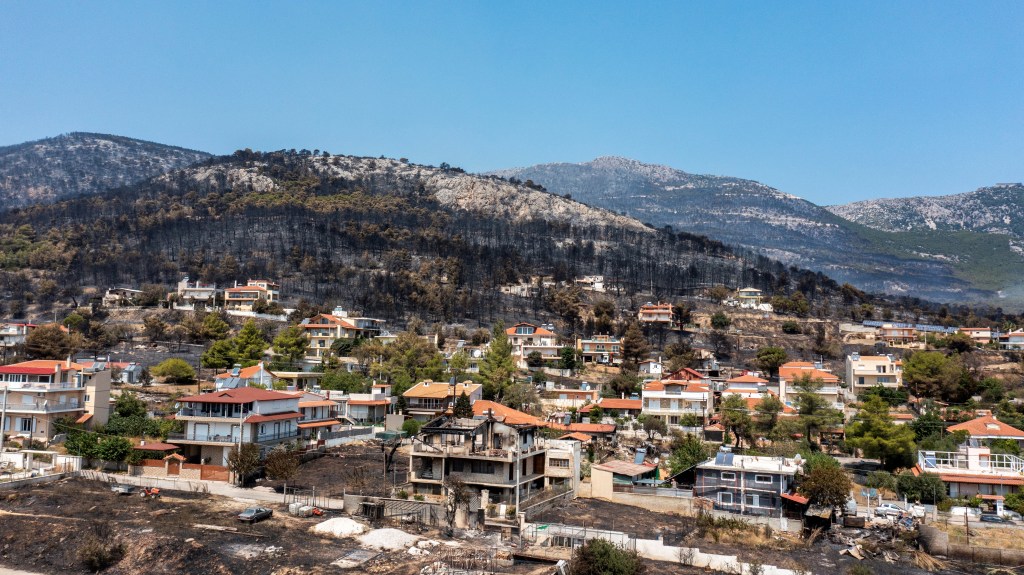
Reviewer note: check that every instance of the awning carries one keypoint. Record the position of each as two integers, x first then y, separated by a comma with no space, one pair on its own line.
84,418
796,498
318,424
992,497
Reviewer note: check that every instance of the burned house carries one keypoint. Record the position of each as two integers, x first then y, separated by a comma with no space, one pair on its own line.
503,462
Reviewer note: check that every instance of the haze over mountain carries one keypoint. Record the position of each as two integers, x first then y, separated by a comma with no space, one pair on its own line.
899,255
997,209
81,163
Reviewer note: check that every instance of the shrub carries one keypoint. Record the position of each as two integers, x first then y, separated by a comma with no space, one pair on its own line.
403,494
100,548
418,497
411,427
790,327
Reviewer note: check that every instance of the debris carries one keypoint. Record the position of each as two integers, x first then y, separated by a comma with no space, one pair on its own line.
355,558
925,561
339,527
890,556
390,539
214,527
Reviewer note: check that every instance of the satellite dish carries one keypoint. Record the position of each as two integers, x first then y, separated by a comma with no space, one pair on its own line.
797,459
656,460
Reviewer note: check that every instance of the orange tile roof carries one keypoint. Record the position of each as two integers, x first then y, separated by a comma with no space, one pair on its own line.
440,389
688,386
793,373
260,418
505,413
317,403
244,373
577,436
746,379
987,426
982,479
616,403
537,330
318,424
48,364
369,402
156,446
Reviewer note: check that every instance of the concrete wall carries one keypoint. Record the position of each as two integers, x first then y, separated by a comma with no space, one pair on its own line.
936,542
601,484
34,480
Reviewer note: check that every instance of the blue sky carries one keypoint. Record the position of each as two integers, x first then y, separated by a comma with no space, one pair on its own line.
831,101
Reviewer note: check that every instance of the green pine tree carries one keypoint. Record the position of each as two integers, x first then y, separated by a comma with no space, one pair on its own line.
463,408
498,367
249,344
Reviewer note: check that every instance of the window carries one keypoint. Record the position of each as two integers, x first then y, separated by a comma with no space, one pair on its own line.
25,424
86,398
457,465
725,498
563,463
762,479
753,500
482,467
728,476
860,381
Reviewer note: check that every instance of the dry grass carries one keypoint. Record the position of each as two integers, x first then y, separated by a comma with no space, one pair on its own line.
925,561
998,537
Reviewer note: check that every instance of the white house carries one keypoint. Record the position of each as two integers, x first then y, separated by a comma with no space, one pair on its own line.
216,422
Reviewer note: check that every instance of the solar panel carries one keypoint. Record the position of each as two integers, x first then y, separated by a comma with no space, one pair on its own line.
722,458
640,454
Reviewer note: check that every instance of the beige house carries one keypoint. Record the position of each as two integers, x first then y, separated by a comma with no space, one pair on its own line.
866,371
655,314
41,392
244,298
324,329
429,399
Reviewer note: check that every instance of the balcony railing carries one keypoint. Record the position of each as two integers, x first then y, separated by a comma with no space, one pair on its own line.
35,386
471,451
995,463
229,438
43,406
193,412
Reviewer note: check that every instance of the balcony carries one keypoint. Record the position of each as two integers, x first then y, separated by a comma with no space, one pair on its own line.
229,439
43,407
970,463
464,450
38,386
195,412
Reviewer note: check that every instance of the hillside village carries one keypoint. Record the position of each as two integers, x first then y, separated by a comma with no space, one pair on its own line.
726,431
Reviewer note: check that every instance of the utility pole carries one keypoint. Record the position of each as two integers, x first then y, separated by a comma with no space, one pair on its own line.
3,418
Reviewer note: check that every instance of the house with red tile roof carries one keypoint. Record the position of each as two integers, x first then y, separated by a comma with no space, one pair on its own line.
324,329
678,400
988,428
43,391
864,372
216,422
602,348
244,298
973,470
830,390
656,314
623,407
526,338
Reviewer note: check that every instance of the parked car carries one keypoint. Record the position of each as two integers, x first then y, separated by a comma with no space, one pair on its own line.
122,489
959,511
254,514
888,510
986,518
1012,515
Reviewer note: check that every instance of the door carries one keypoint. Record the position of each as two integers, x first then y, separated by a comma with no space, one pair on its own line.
201,431
173,467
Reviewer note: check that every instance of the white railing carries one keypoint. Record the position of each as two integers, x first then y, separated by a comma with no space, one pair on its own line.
995,463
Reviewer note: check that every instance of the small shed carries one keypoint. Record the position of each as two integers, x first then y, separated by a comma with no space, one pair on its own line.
604,477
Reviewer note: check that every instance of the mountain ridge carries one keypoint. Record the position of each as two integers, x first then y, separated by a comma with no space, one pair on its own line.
751,214
82,163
